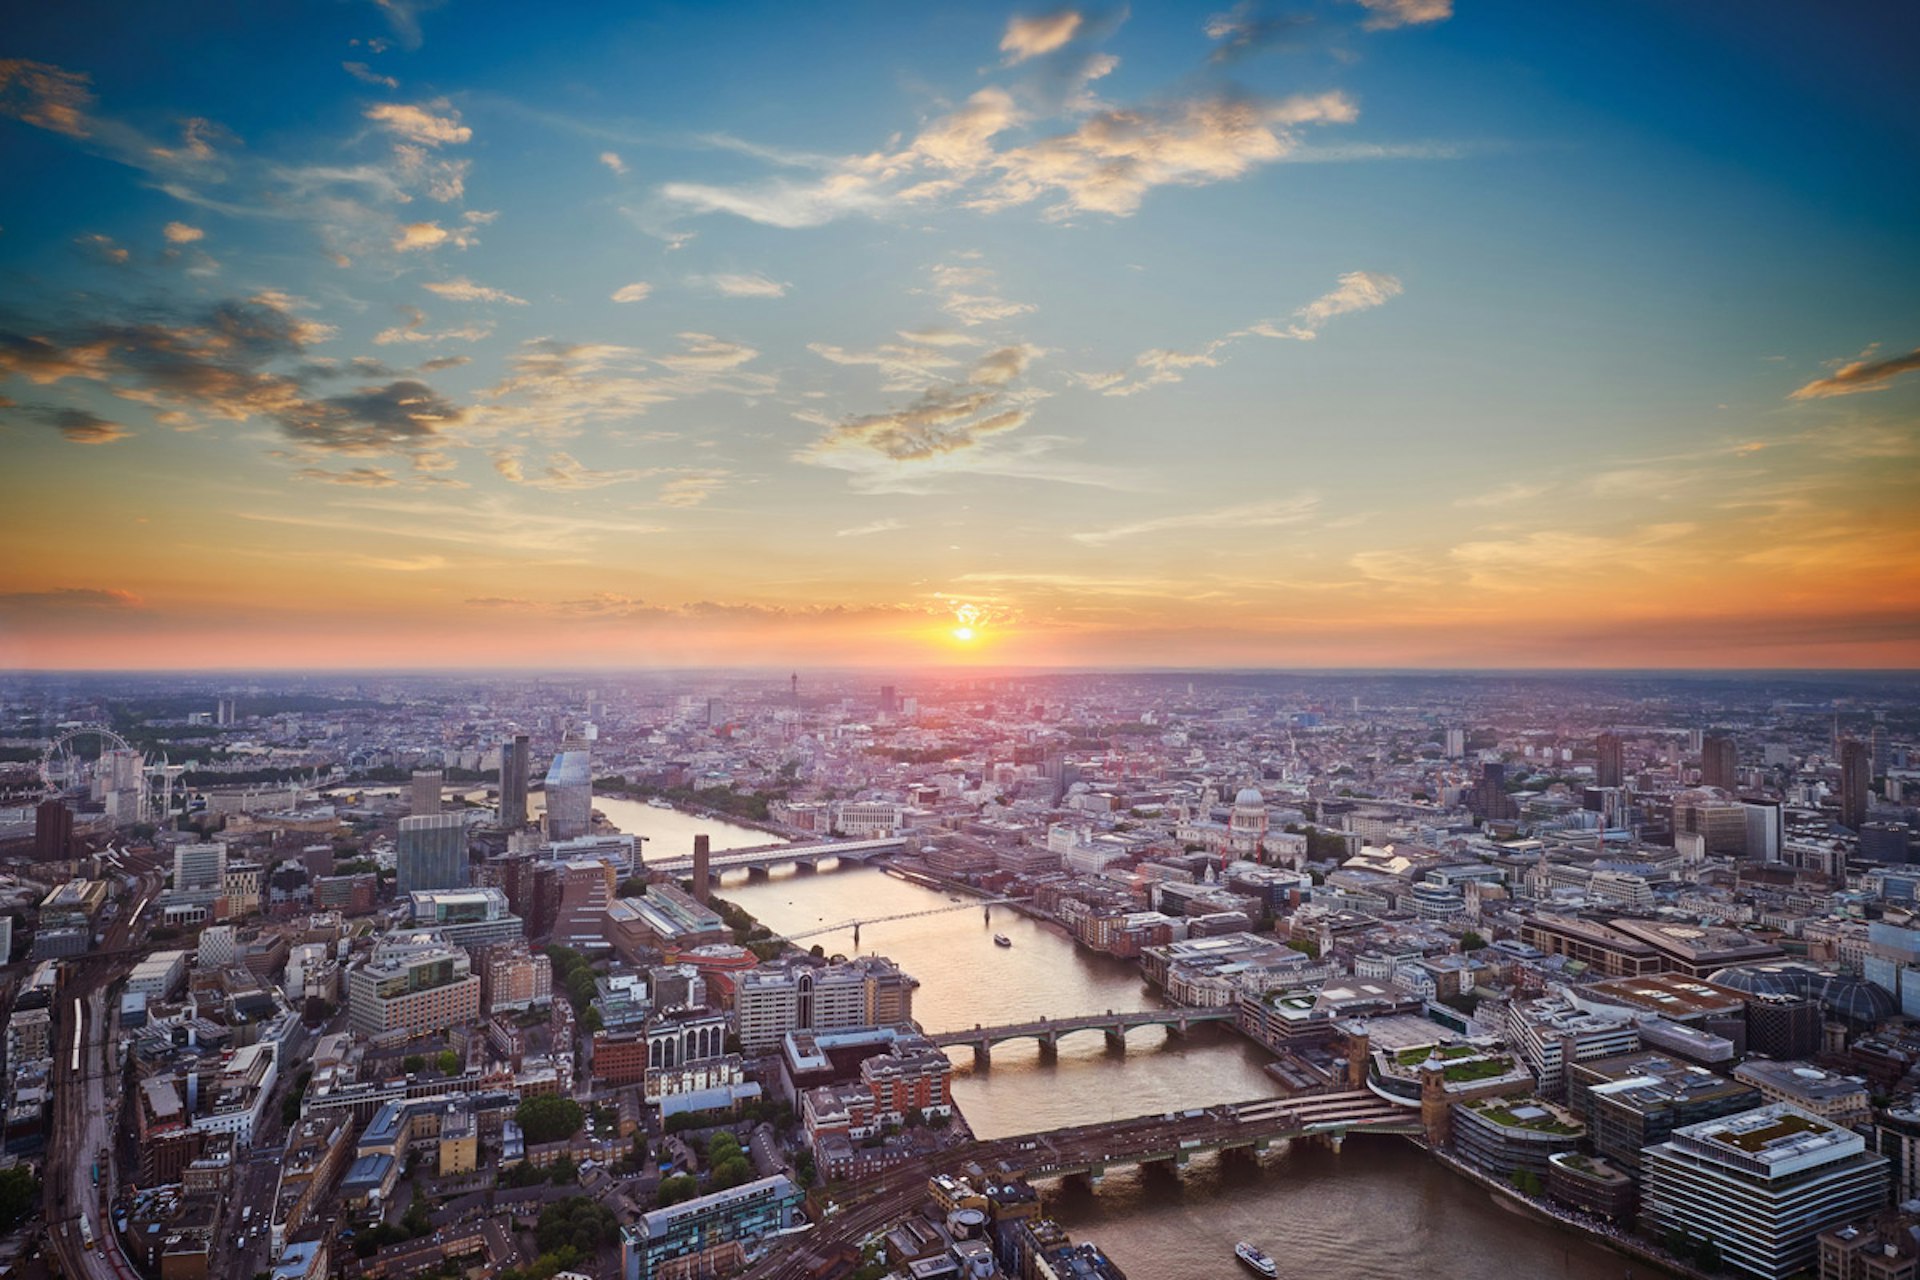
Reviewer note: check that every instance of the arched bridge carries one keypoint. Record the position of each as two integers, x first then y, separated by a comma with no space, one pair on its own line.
1049,1030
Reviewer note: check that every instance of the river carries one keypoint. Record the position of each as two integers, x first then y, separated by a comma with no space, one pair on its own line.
1380,1207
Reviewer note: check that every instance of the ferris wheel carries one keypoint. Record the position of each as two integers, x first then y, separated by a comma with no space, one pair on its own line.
118,774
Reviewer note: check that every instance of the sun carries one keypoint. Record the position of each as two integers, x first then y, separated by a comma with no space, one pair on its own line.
963,634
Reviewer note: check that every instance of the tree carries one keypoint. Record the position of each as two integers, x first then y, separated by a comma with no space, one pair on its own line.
449,1062
549,1118
19,1196
1471,941
564,1172
633,886
679,1187
413,1064
591,1021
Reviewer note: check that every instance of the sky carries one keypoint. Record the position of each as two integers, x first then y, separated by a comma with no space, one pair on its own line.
1411,333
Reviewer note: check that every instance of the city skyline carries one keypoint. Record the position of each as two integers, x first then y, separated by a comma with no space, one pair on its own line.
1390,333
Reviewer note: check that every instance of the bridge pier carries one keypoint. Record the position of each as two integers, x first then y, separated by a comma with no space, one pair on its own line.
1116,1039
856,937
1049,1047
983,1054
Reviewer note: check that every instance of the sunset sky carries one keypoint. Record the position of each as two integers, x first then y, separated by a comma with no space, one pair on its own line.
1374,332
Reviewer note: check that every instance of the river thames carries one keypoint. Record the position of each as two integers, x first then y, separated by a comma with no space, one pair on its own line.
1380,1207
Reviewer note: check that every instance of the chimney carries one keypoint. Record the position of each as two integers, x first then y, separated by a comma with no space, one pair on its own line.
700,889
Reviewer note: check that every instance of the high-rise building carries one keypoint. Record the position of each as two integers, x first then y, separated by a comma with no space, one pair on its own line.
570,791
426,792
52,831
223,714
1610,760
1882,751
1761,1185
1719,762
200,868
516,756
1456,743
1490,799
586,890
1856,768
432,853
888,703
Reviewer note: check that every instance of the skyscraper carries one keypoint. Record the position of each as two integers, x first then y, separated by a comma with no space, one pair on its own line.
1610,762
432,853
1490,798
426,791
570,791
52,830
1456,743
1719,761
1856,770
200,868
516,757
1882,751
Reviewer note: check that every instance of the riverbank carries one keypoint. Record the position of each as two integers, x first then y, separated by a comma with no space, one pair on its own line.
1600,1232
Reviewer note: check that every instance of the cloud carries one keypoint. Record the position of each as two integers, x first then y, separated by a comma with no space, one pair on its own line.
361,477
693,488
181,233
1250,27
748,285
635,292
1358,291
1030,37
45,96
706,353
966,293
404,17
78,425
901,365
416,122
1251,515
415,236
67,600
372,419
945,418
1161,366
1384,15
102,249
367,75
612,160
1506,495
414,330
461,289
562,473
554,388
1862,374
869,529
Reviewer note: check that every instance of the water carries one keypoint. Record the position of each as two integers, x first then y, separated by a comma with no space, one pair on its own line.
1378,1208
669,832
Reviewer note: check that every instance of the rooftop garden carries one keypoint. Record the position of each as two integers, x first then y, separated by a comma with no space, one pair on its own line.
1480,1069
1786,1126
1447,1052
1502,1111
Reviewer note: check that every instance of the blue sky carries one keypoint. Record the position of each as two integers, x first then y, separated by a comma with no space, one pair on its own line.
1181,334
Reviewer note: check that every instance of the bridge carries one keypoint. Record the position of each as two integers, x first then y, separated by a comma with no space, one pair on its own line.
1169,1140
1049,1030
763,858
986,906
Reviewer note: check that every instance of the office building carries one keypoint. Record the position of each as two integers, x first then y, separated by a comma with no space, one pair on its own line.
1609,760
1635,1100
867,992
707,1235
1833,1097
468,917
1456,743
516,760
665,919
1719,761
1761,1185
426,792
52,831
1550,1034
200,868
432,852
570,791
1856,778
514,977
414,982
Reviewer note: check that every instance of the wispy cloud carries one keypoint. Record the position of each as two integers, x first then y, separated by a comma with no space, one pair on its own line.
612,160
181,233
1030,37
1248,515
869,529
750,284
635,292
1864,373
1358,291
1505,495
461,289
1384,15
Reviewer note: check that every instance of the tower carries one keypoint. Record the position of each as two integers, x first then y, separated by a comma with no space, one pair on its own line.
1610,760
1719,761
431,853
1856,768
515,755
426,792
700,888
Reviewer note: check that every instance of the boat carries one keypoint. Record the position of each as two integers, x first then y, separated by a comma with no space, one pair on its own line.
1002,940
1257,1261
657,803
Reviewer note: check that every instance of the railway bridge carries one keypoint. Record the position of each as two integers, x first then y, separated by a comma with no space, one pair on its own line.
1049,1030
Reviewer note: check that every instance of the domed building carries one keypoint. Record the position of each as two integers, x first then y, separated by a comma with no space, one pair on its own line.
1247,827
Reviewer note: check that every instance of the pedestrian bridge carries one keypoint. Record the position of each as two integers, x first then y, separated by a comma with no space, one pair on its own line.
765,857
1049,1030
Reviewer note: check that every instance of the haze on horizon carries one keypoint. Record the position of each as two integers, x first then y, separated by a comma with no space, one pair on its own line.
1397,333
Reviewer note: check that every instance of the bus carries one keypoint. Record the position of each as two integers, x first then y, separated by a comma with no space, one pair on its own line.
86,1233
